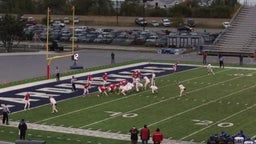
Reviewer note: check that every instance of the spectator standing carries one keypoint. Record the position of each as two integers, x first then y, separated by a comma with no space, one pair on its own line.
221,61
54,104
134,135
204,58
144,134
157,136
27,101
73,83
6,112
57,72
22,129
112,58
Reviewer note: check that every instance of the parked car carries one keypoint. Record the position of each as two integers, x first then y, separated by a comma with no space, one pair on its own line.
226,24
141,21
76,20
185,29
166,22
31,21
154,23
191,22
66,20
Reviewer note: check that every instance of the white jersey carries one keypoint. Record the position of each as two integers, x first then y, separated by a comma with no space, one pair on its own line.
209,66
153,87
52,100
238,140
181,87
146,79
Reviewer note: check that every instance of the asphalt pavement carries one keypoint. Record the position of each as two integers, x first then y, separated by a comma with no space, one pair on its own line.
20,66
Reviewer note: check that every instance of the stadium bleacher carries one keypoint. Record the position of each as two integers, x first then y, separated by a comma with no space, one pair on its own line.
238,40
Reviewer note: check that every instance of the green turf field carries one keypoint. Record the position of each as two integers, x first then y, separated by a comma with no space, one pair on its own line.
211,104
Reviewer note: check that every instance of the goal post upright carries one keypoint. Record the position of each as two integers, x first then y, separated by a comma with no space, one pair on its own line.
48,58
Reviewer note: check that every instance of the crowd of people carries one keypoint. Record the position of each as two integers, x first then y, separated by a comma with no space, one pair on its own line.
225,138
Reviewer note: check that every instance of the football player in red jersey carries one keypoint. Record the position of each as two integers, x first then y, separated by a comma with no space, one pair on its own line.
89,78
112,88
105,78
134,76
102,89
86,88
27,101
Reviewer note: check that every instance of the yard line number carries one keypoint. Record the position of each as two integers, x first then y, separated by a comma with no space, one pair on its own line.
125,115
208,122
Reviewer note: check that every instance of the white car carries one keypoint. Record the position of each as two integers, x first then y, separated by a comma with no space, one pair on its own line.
66,20
76,20
166,22
154,23
226,24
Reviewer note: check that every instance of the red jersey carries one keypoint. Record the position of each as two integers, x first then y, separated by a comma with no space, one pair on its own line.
134,74
138,74
112,87
87,85
118,85
105,76
123,82
102,88
27,96
157,137
89,78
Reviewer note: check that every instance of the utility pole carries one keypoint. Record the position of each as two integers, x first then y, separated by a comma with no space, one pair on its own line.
116,12
144,24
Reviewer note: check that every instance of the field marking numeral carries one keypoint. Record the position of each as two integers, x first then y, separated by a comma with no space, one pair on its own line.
208,122
125,115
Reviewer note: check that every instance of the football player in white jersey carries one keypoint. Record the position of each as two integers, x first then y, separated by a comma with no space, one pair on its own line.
147,81
182,88
154,89
210,69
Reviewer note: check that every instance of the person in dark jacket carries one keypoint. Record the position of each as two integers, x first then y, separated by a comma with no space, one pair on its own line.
144,134
22,129
134,135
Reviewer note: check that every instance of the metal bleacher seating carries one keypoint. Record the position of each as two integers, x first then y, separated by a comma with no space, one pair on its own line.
240,38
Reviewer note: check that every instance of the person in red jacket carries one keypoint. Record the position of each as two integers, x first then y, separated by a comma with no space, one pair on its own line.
157,136
144,135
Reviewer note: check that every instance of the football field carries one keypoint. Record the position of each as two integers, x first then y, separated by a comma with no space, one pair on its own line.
211,103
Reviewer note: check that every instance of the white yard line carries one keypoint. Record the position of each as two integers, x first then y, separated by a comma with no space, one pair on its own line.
107,102
152,104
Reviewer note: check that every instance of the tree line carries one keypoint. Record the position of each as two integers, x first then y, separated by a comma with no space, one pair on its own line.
190,8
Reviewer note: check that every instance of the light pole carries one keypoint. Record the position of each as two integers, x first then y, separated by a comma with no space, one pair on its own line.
144,21
116,12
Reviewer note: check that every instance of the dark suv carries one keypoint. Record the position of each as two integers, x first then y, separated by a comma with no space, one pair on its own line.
141,21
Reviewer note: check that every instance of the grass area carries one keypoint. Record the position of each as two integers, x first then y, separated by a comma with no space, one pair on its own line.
212,103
